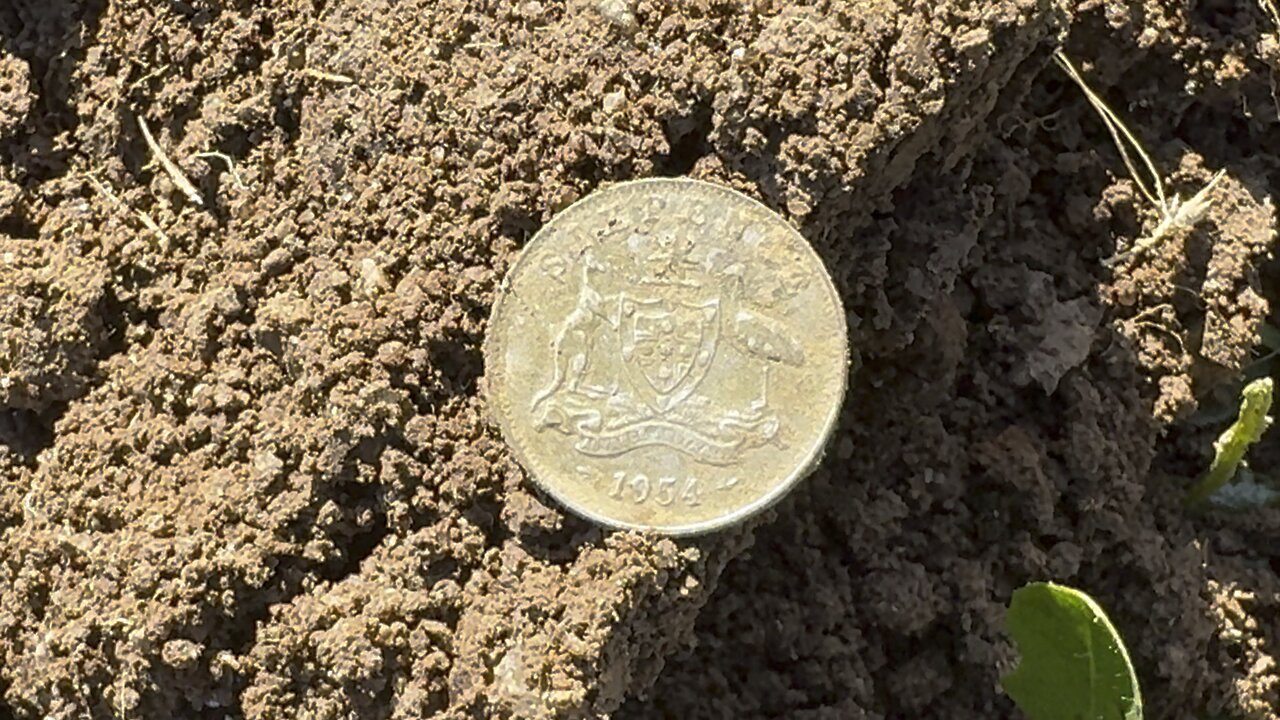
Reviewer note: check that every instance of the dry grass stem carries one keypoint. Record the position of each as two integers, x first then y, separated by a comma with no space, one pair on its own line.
330,77
1174,212
231,166
170,167
1120,134
1273,10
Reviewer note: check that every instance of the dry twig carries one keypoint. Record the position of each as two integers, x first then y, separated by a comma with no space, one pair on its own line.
170,167
331,77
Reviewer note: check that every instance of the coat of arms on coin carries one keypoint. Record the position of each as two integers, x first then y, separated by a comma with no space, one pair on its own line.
667,355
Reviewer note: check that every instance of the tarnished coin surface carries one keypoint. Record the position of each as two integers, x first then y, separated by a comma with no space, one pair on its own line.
667,355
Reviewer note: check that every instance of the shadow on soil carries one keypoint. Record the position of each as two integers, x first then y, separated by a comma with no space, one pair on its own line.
50,35
970,459
24,432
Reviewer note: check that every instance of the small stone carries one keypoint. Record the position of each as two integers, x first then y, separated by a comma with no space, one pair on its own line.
977,38
612,101
277,261
372,279
1269,50
267,464
618,12
181,654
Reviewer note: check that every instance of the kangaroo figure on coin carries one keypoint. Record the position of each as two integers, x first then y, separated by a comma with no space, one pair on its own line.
573,346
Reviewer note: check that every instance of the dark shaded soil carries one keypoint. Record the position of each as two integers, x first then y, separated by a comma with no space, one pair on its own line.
245,470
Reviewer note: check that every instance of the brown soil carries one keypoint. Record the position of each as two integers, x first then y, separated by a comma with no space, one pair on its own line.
245,470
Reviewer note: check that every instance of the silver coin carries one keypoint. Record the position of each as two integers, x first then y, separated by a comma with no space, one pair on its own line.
667,355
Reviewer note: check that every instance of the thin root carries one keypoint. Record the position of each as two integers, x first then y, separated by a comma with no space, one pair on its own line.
1273,10
1275,93
1140,321
231,166
1174,212
1184,215
1120,133
174,171
145,218
331,77
1153,310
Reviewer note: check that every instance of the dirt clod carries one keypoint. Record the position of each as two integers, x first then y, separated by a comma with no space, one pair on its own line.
51,326
15,93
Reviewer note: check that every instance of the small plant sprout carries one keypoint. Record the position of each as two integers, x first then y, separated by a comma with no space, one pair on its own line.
1074,664
1230,447
1174,212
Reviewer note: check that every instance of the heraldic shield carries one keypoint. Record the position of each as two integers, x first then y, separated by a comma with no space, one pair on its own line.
667,346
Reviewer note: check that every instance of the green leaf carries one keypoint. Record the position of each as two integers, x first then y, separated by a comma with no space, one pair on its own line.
1230,447
1074,664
